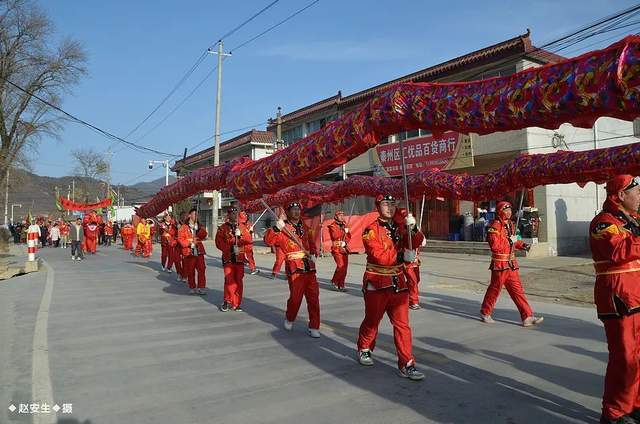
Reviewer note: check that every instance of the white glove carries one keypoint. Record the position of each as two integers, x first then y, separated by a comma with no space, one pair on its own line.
409,256
514,239
311,258
343,244
235,250
346,230
280,224
237,233
424,242
410,221
193,245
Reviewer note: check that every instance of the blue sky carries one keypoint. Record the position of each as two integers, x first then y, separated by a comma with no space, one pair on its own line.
138,50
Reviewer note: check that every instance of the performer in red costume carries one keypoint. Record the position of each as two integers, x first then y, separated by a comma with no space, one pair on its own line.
177,252
384,284
127,232
168,241
108,233
502,239
340,236
190,237
296,241
91,231
231,238
614,236
248,248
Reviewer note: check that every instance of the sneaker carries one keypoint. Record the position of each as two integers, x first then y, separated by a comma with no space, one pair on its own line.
164,269
238,309
625,419
288,325
343,289
314,333
168,271
254,272
202,292
224,307
530,321
193,291
415,307
273,276
365,358
411,373
487,319
73,258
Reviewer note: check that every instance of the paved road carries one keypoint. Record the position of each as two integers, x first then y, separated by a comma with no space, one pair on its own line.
124,343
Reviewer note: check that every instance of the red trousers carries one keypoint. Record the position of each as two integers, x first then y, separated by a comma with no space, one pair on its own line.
622,380
166,256
233,286
511,280
342,263
248,254
91,245
190,265
304,285
177,260
280,258
128,242
396,305
413,281
144,248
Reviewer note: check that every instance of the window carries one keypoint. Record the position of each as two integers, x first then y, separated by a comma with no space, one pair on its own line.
406,135
636,127
292,135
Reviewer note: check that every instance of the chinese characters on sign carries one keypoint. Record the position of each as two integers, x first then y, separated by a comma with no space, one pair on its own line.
41,408
420,154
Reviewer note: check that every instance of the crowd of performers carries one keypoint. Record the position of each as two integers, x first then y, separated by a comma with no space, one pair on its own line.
390,283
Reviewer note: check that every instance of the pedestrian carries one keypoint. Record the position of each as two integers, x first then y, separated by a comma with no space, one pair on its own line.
64,233
108,233
340,236
76,235
295,240
384,284
614,237
231,239
55,235
190,236
504,268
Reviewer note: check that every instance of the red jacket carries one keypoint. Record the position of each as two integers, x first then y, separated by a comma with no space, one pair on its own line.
168,234
502,248
186,237
91,231
226,240
615,247
297,260
127,230
384,243
108,229
338,235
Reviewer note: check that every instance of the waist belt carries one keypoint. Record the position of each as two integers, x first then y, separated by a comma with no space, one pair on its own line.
384,270
503,256
607,267
337,243
295,255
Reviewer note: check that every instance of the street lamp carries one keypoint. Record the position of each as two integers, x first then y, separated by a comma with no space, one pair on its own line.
12,206
165,164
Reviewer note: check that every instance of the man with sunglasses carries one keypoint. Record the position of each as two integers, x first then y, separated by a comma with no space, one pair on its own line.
503,241
614,237
385,286
296,241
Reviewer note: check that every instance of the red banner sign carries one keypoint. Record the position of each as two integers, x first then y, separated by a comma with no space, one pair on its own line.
420,154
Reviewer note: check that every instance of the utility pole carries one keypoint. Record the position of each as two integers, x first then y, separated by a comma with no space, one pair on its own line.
216,138
6,200
279,129
73,189
595,146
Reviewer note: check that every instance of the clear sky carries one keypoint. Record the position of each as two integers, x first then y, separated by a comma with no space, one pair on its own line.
138,50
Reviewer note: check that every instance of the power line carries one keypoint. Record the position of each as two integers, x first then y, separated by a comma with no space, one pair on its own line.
273,26
233,31
85,123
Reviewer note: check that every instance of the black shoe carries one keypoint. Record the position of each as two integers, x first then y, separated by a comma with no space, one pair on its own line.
238,309
364,358
625,419
411,373
224,307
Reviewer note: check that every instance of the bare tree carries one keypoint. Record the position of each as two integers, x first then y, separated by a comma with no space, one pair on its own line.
28,61
88,164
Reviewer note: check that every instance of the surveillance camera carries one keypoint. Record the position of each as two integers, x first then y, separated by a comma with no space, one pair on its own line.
150,165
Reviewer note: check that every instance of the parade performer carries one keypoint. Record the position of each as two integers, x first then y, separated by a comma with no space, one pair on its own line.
412,270
143,233
340,236
91,231
64,234
108,233
295,240
384,284
168,241
231,239
177,252
614,236
503,242
248,248
127,232
190,237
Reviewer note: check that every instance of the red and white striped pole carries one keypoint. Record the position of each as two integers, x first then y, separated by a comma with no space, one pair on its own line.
32,242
